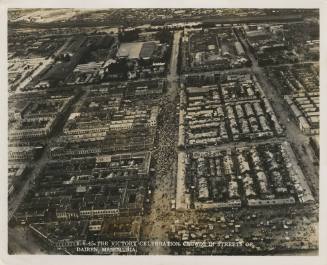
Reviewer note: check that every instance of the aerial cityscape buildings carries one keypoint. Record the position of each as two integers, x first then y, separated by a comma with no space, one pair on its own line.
163,131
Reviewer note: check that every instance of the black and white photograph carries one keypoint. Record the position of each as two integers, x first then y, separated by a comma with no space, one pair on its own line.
162,131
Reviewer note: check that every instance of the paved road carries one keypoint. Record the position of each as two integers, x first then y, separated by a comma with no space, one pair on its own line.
173,77
17,199
174,57
155,226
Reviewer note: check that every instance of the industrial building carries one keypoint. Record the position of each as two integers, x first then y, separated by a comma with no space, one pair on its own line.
211,49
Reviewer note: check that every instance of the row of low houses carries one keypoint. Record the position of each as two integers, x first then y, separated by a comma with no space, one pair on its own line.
305,109
209,117
247,176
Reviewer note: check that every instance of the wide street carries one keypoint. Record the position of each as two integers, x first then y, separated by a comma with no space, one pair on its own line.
155,223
